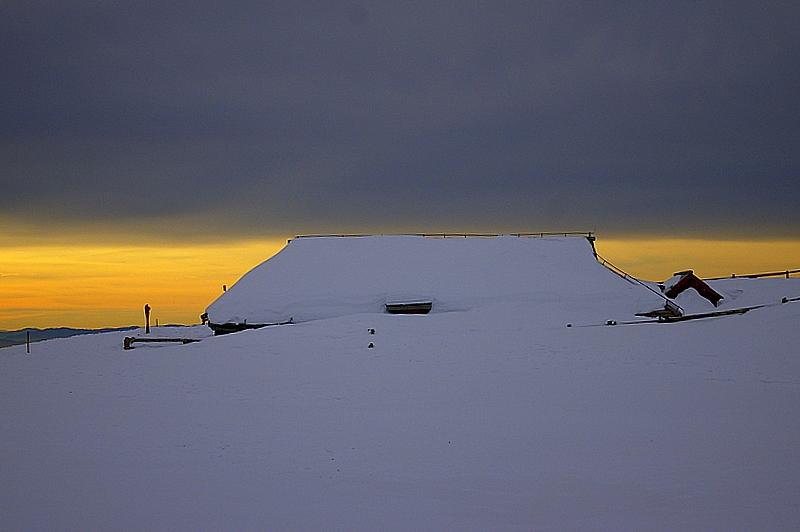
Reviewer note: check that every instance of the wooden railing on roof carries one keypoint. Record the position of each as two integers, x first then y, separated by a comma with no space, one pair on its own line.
585,234
634,280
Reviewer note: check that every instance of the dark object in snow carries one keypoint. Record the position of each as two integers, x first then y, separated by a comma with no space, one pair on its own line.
611,322
569,325
670,310
704,315
687,279
128,342
371,331
371,345
409,307
147,318
226,328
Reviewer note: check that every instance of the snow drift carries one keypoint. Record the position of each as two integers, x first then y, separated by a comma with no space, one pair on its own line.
495,418
323,277
492,419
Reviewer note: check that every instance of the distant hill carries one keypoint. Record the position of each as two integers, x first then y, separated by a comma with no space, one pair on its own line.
9,338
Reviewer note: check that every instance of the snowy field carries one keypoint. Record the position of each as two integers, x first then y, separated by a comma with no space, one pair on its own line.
493,417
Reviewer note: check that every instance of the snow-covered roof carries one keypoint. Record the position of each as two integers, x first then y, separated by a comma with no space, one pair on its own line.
321,277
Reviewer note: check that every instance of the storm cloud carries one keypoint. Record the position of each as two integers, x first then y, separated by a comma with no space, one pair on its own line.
257,118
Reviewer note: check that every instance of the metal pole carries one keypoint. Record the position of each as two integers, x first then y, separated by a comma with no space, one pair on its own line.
28,341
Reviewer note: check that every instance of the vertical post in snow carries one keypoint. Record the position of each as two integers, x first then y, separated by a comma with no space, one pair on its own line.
28,342
147,319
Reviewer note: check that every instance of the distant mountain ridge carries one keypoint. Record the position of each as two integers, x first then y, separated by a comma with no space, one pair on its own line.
9,338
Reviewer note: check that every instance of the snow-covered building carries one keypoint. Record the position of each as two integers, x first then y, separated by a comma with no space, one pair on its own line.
328,276
685,280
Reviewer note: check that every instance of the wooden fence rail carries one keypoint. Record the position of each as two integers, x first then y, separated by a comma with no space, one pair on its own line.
784,273
128,342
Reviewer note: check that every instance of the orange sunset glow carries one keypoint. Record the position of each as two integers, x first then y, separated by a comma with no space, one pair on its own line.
656,259
103,285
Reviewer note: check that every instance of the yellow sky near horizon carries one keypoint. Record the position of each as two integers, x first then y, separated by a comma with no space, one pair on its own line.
103,285
657,259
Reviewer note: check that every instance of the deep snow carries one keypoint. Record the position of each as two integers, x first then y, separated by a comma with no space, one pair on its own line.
498,417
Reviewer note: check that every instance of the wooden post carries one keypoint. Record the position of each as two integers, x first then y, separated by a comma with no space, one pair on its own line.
28,342
147,319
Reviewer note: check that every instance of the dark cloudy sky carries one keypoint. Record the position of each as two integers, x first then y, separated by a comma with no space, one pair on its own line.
266,117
